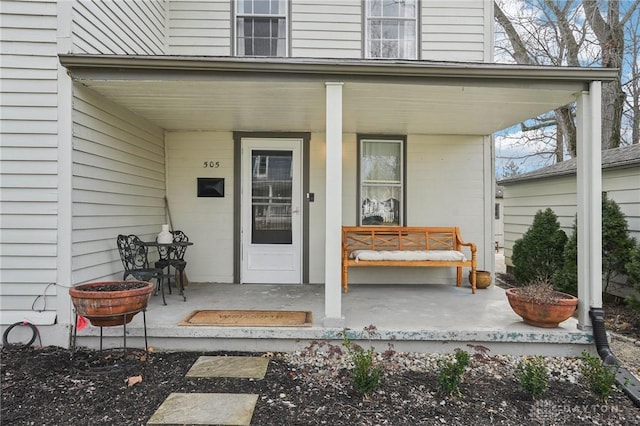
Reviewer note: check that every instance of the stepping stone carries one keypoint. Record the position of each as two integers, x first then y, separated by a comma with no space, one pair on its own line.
205,409
229,366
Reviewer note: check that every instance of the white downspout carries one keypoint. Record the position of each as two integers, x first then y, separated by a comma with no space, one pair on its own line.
333,207
589,193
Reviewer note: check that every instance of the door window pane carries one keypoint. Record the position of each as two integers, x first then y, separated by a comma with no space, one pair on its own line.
271,192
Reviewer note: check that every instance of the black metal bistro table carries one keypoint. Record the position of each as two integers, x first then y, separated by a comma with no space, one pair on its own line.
172,246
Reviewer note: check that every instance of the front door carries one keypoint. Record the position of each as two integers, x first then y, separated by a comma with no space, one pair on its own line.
271,211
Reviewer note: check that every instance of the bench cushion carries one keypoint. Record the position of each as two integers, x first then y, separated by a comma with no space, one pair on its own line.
408,255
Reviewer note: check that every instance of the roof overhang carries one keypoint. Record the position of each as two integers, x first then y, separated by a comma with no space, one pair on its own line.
276,94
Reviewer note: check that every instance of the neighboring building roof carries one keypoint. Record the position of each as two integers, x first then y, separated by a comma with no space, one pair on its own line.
625,156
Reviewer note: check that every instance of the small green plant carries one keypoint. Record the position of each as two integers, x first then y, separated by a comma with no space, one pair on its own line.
450,374
599,378
533,376
366,374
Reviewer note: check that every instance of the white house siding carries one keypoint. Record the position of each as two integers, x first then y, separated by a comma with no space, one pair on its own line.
119,27
456,30
326,29
623,186
451,30
200,28
118,183
28,158
522,201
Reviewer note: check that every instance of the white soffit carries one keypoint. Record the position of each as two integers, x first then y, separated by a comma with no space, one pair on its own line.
299,106
271,94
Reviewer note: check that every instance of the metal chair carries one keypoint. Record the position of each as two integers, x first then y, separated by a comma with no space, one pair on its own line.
134,256
174,256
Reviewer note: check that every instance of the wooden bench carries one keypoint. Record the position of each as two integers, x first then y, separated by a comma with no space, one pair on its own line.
405,246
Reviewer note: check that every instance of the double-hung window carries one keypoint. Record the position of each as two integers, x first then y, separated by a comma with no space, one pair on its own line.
381,180
391,29
261,27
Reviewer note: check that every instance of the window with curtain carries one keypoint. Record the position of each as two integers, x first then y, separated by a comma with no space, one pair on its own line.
391,29
381,186
261,27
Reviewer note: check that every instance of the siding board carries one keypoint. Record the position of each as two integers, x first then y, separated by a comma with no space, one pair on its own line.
32,112
30,289
33,195
35,126
27,181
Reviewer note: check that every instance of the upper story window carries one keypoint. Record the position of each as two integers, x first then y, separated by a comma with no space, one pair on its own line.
261,27
391,29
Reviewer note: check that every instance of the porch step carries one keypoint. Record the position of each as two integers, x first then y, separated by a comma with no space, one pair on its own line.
524,341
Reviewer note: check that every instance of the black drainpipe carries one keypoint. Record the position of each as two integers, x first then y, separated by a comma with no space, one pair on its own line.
627,381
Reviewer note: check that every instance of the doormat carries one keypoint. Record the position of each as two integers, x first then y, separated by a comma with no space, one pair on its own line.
235,318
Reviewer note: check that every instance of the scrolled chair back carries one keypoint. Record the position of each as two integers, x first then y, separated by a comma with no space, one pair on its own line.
133,253
180,237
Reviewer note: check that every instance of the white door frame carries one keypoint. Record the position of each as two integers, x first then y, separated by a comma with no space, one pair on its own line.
271,263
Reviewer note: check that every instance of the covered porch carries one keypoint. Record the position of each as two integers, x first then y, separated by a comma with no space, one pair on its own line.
192,109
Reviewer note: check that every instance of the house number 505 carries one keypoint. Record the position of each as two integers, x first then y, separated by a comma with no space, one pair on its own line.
211,164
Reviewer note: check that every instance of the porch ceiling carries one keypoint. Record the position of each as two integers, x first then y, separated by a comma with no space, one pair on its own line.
375,100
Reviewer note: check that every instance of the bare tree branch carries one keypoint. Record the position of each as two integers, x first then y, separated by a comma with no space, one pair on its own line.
568,40
520,53
630,12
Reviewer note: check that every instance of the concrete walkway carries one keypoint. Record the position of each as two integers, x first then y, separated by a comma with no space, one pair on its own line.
213,408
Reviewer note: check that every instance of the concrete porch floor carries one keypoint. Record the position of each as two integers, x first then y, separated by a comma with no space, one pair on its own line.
419,318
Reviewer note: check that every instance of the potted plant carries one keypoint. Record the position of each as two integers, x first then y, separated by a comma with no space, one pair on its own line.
540,305
110,303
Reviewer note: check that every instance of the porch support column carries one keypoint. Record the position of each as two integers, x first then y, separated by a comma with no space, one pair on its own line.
589,193
333,207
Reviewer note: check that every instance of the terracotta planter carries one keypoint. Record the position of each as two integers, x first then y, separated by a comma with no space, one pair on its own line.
483,278
110,303
542,314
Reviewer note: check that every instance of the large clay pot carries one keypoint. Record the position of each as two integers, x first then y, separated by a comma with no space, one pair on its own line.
548,313
110,303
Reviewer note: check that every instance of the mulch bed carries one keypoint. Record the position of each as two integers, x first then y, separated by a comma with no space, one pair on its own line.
47,387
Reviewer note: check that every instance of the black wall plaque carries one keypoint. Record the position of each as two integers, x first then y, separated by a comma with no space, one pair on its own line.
210,187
